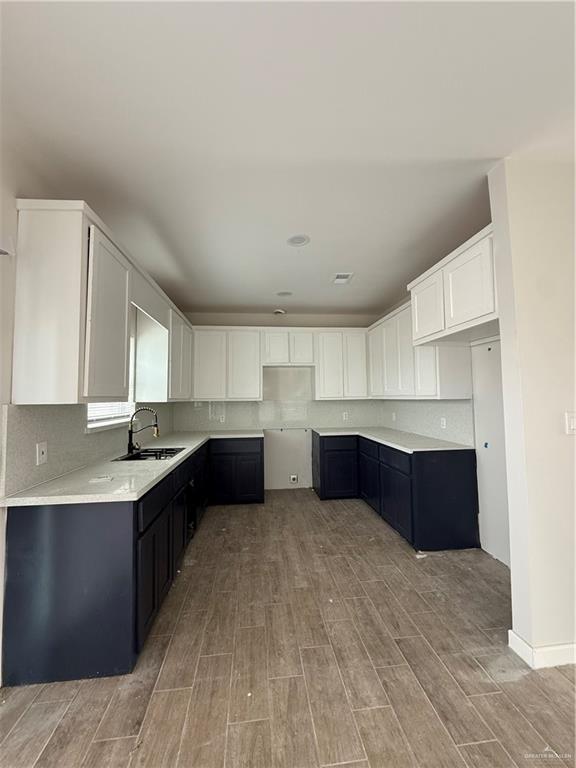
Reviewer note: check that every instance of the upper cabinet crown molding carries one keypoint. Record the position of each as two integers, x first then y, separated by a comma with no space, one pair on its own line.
456,294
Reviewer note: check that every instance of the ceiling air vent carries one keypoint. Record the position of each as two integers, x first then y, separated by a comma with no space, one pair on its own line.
341,278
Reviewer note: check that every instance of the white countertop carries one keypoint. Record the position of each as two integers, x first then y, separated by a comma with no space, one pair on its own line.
109,480
408,442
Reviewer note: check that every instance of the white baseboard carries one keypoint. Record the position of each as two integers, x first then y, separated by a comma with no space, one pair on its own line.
544,656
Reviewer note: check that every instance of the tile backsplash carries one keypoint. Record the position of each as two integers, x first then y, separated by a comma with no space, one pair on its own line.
424,418
69,447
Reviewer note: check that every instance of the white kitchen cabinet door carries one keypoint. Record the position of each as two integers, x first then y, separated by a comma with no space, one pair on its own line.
355,373
329,366
107,330
302,347
405,352
244,367
425,371
209,365
180,361
391,357
469,284
428,306
276,348
376,362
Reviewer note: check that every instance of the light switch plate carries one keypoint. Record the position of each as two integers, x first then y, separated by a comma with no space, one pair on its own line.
41,453
443,423
570,422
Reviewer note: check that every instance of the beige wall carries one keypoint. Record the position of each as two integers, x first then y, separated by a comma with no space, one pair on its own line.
532,198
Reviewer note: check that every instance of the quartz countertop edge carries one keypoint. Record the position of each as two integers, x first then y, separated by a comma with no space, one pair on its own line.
118,481
407,442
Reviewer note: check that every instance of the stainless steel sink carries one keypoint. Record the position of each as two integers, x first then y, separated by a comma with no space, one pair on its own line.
150,454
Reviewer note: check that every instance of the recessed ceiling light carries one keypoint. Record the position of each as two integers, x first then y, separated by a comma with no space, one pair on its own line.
284,293
279,311
341,278
297,241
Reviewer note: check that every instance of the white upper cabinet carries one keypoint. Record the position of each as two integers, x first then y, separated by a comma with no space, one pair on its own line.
209,364
276,348
355,372
457,294
399,370
301,347
428,306
469,284
375,362
180,361
244,366
287,347
330,366
106,359
341,369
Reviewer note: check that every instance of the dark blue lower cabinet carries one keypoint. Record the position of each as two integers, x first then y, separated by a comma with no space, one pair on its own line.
335,466
396,500
369,480
237,471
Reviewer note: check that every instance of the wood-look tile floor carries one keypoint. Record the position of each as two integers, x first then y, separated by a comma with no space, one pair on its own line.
300,634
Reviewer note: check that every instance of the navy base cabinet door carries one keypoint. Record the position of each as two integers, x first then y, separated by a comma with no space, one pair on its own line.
237,471
369,480
335,466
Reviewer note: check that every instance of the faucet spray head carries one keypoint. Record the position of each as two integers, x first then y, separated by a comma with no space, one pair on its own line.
156,431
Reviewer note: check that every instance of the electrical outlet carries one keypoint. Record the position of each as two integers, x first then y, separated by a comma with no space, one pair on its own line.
443,423
222,419
41,453
293,478
393,415
570,419
345,415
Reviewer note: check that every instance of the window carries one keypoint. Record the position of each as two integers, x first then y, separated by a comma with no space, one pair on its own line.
108,414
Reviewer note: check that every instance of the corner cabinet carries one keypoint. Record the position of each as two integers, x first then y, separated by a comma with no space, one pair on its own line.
458,293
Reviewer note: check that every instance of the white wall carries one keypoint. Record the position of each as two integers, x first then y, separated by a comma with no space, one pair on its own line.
532,200
424,418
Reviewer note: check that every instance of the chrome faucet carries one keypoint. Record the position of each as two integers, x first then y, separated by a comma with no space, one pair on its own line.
132,446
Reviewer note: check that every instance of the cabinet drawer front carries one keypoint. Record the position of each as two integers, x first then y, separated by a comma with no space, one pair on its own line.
369,447
344,443
184,473
236,445
154,502
396,459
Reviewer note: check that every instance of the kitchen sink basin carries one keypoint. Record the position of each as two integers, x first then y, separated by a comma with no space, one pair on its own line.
150,454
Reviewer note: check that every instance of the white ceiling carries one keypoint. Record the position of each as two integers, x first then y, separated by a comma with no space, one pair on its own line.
207,134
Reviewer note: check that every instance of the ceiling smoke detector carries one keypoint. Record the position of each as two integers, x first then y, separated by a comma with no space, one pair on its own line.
284,293
297,241
341,278
279,311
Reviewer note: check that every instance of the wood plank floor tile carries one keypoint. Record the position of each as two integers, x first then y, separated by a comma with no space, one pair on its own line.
13,703
428,739
361,682
395,618
200,597
344,577
29,736
383,739
514,732
293,744
204,733
172,606
220,624
114,753
126,712
336,734
380,646
523,688
332,605
453,707
308,619
182,655
249,745
69,743
569,672
363,568
249,694
437,632
402,589
469,675
159,742
64,691
488,754
558,689
281,641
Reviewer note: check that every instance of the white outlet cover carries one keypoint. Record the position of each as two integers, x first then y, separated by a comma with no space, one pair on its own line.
41,453
442,423
570,419
393,415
